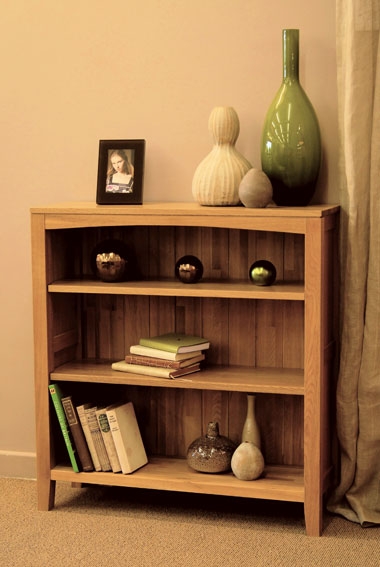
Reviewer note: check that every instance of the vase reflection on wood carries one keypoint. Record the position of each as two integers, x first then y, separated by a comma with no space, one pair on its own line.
291,141
251,431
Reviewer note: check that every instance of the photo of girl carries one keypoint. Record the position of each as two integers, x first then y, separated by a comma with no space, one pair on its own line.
120,171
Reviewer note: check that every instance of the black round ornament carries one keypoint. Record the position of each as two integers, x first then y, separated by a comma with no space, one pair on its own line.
189,269
262,272
113,261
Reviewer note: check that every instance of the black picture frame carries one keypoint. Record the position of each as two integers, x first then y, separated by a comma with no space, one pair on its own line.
120,172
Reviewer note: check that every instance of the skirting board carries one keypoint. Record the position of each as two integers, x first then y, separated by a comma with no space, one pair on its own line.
17,464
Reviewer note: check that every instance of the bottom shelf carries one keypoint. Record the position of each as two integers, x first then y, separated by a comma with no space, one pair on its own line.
277,482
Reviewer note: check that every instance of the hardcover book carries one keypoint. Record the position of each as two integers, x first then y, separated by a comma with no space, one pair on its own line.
105,430
56,396
160,362
163,354
176,342
87,433
97,438
123,366
127,437
77,434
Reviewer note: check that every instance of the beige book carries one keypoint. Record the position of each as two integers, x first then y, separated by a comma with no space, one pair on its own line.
105,430
101,450
127,437
158,353
171,373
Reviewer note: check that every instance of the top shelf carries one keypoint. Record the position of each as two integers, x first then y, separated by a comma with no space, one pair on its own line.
239,290
276,219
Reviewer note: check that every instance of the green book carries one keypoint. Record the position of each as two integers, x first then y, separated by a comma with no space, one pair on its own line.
56,396
176,342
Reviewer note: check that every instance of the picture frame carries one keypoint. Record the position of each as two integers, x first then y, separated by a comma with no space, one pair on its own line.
120,172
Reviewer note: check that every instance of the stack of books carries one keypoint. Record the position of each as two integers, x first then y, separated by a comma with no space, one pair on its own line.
99,438
171,355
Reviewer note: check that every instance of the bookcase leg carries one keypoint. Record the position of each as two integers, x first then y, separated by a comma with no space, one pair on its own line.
46,494
313,521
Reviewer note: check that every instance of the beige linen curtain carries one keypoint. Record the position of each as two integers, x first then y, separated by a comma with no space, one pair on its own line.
358,395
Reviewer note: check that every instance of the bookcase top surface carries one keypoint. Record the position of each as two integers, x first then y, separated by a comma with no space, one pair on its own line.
186,208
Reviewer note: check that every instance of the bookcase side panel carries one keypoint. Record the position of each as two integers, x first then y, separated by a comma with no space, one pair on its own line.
42,363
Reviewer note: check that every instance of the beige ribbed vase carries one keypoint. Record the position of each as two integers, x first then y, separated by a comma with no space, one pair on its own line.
251,431
217,178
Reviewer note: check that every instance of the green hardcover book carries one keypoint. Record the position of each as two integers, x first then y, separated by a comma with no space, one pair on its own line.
56,396
176,342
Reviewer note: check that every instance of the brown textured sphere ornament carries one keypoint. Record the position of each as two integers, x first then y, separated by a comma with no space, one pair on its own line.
211,453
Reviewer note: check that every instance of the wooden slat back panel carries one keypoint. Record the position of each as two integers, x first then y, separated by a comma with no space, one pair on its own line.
242,332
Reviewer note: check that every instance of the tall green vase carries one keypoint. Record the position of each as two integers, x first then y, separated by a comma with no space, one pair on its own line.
291,140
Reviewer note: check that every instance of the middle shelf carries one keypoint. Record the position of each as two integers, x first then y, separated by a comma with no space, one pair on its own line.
222,378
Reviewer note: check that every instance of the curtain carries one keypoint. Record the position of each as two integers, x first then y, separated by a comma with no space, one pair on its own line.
357,497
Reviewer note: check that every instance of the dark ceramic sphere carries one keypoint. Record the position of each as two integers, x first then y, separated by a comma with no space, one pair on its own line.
189,269
262,272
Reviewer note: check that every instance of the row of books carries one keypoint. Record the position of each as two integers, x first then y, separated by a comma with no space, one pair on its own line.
171,355
99,438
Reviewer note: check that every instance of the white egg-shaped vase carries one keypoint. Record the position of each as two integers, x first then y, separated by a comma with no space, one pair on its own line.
255,189
217,178
247,462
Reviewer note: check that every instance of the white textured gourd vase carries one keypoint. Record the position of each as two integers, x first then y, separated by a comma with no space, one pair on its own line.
217,178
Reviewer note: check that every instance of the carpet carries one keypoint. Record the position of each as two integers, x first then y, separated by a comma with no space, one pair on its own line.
113,526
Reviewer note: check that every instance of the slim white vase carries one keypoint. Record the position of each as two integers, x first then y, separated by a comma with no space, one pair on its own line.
251,431
217,178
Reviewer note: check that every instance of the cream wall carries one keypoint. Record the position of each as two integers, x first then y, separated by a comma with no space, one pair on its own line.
76,71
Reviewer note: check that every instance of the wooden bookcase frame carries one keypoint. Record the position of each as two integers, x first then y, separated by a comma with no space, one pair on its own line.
278,342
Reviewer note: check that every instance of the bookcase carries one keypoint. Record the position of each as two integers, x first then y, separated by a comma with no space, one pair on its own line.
278,342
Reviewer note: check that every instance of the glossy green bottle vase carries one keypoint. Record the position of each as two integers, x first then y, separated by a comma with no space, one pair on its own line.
291,140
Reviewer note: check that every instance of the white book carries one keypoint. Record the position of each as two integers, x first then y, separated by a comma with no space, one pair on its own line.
127,437
109,443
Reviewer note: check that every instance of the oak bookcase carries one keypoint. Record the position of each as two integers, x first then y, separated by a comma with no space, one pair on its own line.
278,342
